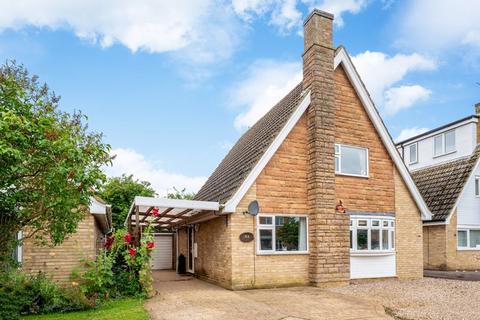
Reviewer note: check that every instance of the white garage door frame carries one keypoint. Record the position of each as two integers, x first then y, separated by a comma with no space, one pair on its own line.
162,254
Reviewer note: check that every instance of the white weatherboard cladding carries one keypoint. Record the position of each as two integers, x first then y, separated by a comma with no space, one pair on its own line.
465,142
468,208
372,266
162,253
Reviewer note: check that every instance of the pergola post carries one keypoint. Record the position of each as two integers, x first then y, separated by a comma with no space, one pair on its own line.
137,223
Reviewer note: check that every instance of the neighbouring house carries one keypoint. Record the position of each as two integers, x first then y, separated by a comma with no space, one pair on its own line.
58,262
444,163
315,193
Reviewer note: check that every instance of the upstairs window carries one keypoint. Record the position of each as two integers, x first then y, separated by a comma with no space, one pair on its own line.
413,153
477,186
351,160
444,143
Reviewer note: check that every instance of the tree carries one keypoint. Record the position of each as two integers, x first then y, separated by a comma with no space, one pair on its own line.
180,194
120,192
50,164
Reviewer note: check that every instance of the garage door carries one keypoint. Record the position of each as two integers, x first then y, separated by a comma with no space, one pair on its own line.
162,253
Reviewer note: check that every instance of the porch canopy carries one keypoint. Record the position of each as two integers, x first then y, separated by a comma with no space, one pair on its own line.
169,213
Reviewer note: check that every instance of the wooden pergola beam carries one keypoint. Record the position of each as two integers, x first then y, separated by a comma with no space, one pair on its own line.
147,213
163,214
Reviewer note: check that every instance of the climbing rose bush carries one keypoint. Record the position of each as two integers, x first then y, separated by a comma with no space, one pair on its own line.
124,270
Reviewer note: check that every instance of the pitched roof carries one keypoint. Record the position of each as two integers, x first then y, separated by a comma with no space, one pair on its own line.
442,184
239,162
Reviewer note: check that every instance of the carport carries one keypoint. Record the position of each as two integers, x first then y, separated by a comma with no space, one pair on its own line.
168,215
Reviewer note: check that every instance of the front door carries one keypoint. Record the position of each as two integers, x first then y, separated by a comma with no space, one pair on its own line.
191,254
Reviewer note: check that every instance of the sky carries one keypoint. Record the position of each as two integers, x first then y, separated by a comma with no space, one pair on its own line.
173,84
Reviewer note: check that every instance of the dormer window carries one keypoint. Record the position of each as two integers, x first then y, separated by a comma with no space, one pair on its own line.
477,186
444,143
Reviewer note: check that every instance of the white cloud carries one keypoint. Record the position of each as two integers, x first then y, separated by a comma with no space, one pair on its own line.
338,7
265,84
381,72
129,161
201,28
404,97
410,132
441,24
286,14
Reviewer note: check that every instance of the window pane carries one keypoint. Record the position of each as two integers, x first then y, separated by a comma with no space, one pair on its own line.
385,240
354,161
375,223
337,164
266,239
462,238
385,223
438,145
375,239
450,141
351,239
362,239
392,235
290,234
265,220
337,149
474,238
413,153
362,223
477,186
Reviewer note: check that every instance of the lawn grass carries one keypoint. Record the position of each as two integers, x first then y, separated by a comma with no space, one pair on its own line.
124,309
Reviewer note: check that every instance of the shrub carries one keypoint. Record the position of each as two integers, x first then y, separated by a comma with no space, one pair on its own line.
24,294
123,271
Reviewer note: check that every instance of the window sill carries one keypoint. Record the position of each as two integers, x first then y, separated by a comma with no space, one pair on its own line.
468,249
280,253
444,154
351,175
370,253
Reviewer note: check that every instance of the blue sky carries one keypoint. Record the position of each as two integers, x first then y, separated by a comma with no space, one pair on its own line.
172,85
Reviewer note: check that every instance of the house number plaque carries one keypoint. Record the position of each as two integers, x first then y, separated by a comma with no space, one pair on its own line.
246,237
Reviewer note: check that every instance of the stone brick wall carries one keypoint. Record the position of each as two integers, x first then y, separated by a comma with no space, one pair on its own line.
408,232
58,262
328,230
434,247
353,127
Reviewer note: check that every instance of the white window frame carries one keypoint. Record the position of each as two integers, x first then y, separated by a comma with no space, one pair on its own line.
338,155
467,248
444,145
410,153
272,227
354,226
477,186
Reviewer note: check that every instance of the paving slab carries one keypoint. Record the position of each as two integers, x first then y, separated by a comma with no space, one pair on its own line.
181,298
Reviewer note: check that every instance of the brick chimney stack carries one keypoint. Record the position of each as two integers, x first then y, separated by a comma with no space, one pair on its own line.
329,261
477,112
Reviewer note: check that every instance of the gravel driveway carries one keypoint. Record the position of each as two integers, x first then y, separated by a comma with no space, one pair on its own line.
428,298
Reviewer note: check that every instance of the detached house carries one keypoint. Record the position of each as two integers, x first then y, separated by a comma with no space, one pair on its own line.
445,166
335,200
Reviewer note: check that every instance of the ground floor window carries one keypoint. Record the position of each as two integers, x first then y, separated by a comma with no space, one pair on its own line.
372,234
468,238
282,234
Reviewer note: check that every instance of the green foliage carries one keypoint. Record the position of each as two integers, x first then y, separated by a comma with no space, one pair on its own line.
131,309
50,164
287,234
120,192
123,271
180,194
22,294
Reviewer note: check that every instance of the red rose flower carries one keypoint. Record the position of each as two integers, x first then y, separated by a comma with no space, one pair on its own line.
127,237
155,211
132,251
150,245
109,243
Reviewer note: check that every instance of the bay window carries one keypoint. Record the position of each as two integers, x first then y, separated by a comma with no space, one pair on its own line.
372,234
350,160
281,234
